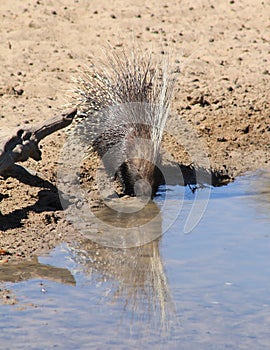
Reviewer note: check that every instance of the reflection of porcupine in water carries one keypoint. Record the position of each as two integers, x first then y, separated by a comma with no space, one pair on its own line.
127,104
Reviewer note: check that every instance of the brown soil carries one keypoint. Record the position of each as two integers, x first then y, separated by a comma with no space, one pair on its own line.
221,47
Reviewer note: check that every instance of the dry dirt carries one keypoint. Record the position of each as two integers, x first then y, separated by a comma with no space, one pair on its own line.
222,49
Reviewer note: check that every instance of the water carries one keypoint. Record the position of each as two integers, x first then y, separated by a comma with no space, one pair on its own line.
206,289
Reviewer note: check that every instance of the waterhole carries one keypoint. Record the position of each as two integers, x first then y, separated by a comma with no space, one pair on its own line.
205,289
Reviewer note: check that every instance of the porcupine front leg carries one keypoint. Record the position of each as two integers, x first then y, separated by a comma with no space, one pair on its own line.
111,148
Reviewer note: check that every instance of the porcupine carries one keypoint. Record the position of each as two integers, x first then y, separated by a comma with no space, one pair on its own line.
127,103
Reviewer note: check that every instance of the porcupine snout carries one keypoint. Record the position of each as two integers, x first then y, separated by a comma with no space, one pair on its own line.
140,177
142,189
148,186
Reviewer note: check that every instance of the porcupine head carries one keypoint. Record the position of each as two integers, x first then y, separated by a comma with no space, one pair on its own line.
127,102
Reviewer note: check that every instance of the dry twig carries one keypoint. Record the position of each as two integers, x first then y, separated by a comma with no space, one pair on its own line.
25,143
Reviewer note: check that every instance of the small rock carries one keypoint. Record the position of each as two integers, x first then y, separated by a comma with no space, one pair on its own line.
198,99
222,139
19,92
245,130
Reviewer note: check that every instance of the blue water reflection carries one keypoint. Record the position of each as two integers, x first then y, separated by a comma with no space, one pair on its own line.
209,289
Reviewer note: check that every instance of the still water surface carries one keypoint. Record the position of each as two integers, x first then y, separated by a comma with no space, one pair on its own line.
208,289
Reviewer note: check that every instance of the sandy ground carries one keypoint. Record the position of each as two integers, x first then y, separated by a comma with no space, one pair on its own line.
222,49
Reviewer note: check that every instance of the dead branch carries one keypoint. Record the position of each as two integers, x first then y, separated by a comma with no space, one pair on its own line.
25,143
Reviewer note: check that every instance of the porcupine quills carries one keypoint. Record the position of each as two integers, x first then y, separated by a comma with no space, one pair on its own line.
127,102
